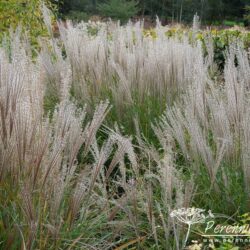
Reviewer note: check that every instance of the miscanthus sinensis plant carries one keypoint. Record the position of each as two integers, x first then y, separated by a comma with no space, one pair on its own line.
138,74
209,126
71,179
66,179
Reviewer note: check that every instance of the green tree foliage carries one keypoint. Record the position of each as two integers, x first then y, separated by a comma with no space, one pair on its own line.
171,10
66,6
77,16
184,10
247,15
118,9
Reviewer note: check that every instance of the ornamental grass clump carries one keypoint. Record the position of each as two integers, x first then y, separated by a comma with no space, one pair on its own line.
68,180
135,72
209,127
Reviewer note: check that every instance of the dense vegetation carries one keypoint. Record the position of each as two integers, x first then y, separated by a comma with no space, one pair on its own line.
25,14
227,12
105,130
210,11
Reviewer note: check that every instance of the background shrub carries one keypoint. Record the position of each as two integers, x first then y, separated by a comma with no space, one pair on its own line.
247,15
79,16
26,13
118,9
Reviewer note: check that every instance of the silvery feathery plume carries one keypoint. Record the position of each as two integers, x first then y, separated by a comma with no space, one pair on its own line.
190,216
47,18
196,22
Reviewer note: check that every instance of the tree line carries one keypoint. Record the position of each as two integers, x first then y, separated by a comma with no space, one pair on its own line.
209,11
